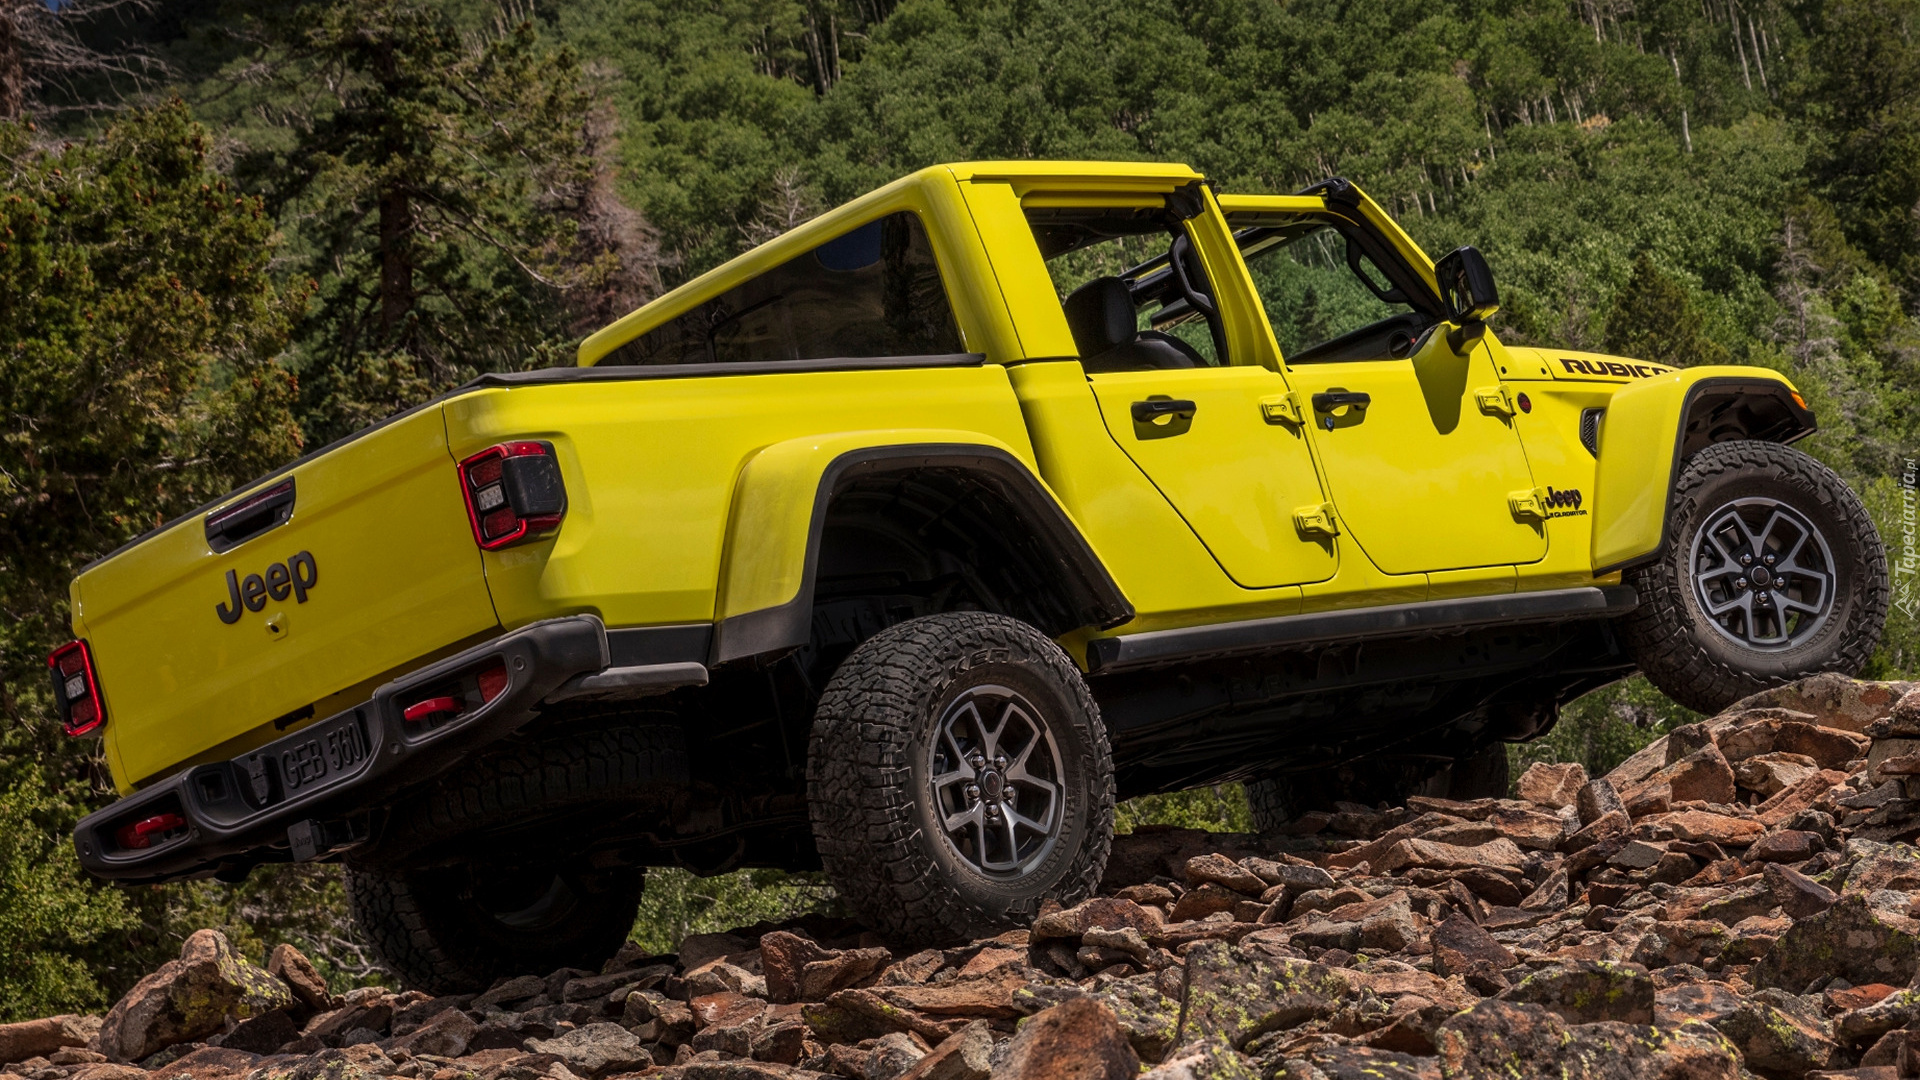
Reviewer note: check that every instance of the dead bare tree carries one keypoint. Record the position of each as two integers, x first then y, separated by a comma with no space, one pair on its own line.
42,46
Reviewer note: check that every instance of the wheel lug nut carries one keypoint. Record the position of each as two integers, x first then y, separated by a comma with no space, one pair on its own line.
1741,584
993,812
1000,762
973,791
1746,560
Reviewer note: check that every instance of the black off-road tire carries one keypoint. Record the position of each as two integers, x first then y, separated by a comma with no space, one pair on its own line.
876,809
472,877
455,929
525,788
1670,635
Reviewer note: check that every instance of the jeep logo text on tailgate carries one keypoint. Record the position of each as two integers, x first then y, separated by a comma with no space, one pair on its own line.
297,575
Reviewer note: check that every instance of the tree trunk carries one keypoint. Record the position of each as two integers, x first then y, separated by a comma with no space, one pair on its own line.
396,213
396,262
13,75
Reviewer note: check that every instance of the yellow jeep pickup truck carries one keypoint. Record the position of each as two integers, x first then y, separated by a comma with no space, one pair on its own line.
907,542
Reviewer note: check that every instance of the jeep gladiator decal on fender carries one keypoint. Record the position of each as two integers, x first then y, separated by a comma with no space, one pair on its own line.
904,544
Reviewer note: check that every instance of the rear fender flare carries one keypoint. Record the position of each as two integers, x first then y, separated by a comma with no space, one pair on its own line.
1652,426
779,513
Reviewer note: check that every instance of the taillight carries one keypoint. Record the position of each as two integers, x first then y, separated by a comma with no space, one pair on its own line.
76,688
514,493
140,834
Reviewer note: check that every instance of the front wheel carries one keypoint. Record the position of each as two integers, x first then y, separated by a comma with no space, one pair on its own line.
1772,571
957,776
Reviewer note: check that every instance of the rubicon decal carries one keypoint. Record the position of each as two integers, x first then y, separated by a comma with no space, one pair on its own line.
1612,368
295,577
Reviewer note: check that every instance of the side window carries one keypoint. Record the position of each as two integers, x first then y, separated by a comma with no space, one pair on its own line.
874,291
1327,298
1133,290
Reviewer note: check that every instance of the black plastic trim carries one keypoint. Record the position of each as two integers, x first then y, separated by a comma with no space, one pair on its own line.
1158,647
1802,416
638,646
631,372
256,515
347,762
1097,596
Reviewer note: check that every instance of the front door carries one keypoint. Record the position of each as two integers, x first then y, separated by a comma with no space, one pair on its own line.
1416,439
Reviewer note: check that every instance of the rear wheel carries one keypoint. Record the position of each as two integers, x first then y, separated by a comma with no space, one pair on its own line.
1772,572
455,929
484,871
958,775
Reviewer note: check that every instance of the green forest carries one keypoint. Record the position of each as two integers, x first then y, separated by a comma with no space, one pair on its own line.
236,229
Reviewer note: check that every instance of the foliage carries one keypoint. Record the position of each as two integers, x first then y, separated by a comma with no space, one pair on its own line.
48,913
1653,318
1215,808
676,903
138,330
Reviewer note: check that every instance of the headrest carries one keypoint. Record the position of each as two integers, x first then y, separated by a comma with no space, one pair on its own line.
1100,314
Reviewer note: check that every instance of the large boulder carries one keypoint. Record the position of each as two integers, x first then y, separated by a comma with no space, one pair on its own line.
1075,1040
188,999
1851,940
38,1038
596,1050
1586,991
1235,996
1504,1039
1832,699
1779,1035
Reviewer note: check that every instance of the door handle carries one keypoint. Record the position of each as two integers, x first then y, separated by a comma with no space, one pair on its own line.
1329,400
1146,412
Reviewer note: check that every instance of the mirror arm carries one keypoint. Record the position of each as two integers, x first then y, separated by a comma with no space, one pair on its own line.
1461,339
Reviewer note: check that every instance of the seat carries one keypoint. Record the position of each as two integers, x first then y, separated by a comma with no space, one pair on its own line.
1100,315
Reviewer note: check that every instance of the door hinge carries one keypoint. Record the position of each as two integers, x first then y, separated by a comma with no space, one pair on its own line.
1494,400
1531,503
1281,408
1316,519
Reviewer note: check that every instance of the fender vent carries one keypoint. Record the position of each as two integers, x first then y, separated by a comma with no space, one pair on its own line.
1590,429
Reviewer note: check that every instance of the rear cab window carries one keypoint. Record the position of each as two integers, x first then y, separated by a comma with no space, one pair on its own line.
1127,303
873,291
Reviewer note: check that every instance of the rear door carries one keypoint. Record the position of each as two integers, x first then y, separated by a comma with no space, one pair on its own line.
232,626
1180,386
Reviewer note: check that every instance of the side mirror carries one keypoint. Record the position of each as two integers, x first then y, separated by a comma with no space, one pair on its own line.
1466,287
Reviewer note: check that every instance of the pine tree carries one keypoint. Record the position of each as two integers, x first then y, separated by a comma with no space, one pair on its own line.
442,189
1654,319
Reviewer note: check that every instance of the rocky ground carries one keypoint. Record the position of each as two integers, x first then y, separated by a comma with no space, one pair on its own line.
1740,899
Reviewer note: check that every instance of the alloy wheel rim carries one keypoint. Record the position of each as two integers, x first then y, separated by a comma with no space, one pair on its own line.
526,902
996,782
1762,574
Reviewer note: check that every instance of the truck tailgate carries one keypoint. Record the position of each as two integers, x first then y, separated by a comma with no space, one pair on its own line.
199,648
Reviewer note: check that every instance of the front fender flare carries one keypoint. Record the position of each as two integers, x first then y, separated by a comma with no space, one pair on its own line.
779,514
1652,426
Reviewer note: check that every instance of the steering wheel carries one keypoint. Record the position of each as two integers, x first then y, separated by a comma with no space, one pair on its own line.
1177,258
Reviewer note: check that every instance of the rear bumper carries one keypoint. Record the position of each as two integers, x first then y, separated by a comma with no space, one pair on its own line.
294,797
